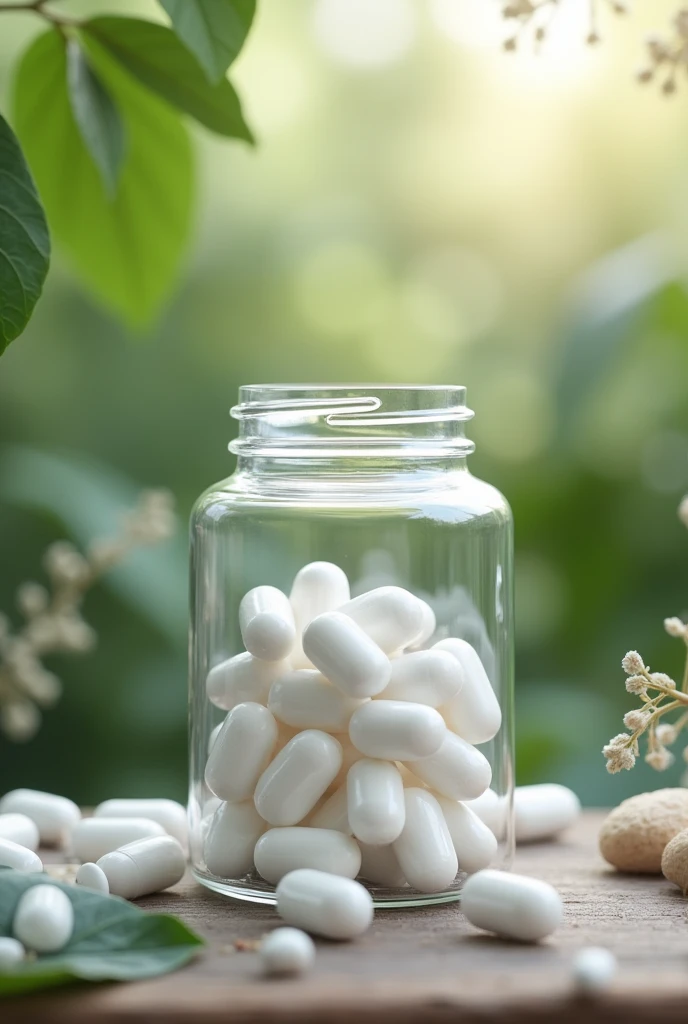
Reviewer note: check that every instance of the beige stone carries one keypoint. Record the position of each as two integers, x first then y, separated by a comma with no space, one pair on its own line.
675,861
634,835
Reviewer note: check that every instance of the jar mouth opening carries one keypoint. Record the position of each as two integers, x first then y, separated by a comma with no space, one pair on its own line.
348,419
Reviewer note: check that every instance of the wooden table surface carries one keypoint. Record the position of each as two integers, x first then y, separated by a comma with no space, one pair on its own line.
424,965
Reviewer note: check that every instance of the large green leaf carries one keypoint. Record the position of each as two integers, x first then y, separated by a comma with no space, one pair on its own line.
112,940
154,55
127,249
24,239
96,115
214,30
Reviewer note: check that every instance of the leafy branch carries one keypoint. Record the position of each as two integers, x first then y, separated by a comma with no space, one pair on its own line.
98,107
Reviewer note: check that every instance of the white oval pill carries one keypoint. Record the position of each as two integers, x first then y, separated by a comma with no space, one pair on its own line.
333,813
492,810
92,877
267,624
395,730
243,678
428,627
12,855
457,770
242,752
391,616
425,677
281,850
318,587
231,839
214,733
324,904
304,699
376,809
512,906
11,953
168,813
54,815
474,713
544,810
475,845
424,849
380,866
346,655
19,829
92,838
594,970
287,951
44,919
144,867
294,781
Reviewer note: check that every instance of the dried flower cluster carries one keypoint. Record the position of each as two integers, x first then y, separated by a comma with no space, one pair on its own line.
52,615
667,55
659,695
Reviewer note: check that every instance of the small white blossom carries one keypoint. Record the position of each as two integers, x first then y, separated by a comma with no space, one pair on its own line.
632,663
635,720
666,734
636,684
659,759
664,680
619,759
675,627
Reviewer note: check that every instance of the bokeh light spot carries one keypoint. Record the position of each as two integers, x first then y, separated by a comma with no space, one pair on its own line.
362,34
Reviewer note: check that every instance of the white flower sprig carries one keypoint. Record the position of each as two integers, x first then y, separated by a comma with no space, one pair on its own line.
52,615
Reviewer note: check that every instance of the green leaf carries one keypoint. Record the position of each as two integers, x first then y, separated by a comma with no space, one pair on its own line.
24,239
154,55
112,940
96,116
127,250
214,30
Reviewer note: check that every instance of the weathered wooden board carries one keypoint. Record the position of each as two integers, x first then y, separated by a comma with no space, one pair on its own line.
418,965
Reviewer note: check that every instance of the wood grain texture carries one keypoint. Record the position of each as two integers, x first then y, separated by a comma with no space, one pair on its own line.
424,965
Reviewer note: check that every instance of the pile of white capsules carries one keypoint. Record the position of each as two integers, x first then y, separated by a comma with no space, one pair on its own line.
349,746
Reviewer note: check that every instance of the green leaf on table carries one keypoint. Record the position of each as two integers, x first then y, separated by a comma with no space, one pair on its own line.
214,30
127,250
153,55
96,115
113,940
24,239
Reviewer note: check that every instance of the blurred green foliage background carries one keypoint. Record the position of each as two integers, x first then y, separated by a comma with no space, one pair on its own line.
421,207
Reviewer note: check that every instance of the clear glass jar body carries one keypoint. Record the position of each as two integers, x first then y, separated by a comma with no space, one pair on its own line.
373,479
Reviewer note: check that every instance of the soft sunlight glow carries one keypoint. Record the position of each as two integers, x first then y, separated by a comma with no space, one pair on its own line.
473,23
362,34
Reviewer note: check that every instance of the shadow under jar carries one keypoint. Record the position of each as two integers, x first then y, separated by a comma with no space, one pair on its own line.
351,686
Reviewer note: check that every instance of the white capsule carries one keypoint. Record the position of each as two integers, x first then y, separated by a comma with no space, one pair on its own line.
90,876
513,906
286,951
424,849
242,678
12,855
168,813
380,866
349,757
396,730
318,587
457,770
391,616
11,954
376,810
428,627
593,970
231,839
543,811
294,781
492,811
281,850
44,919
329,905
425,677
346,655
53,815
304,699
267,624
92,838
474,713
475,845
19,829
214,733
242,752
144,867
333,813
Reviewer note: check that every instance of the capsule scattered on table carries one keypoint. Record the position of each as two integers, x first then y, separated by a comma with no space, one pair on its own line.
168,813
12,855
338,908
267,624
543,811
44,918
90,876
286,951
594,969
53,815
512,906
241,752
396,730
143,867
19,829
346,655
92,838
281,850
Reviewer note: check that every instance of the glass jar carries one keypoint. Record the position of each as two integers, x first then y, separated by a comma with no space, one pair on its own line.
373,480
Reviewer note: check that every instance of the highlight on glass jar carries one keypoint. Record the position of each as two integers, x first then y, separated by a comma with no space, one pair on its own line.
351,676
